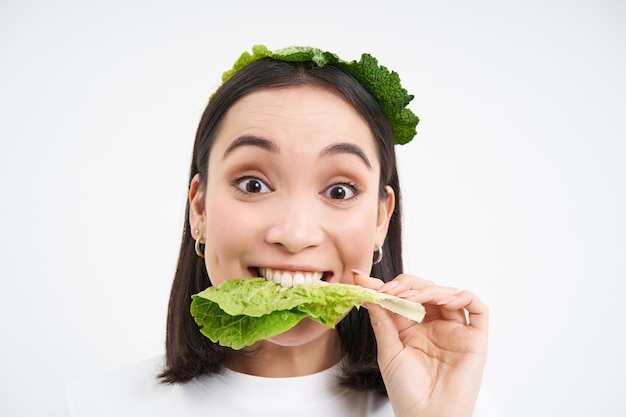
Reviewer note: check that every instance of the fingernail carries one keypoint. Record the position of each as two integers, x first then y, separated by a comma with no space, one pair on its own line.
408,293
446,300
388,285
357,272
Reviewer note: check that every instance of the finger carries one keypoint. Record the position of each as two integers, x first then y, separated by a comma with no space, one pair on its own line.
410,286
477,311
404,283
386,332
378,314
394,286
448,310
365,281
447,303
437,301
435,294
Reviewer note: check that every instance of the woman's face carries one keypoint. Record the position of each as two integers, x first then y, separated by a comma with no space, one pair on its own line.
292,193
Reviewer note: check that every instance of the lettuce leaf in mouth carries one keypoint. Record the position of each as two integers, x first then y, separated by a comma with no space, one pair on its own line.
240,312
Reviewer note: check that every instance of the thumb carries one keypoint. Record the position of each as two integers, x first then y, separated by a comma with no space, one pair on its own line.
384,327
387,335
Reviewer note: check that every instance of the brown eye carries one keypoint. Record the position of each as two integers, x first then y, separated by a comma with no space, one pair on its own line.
252,185
341,192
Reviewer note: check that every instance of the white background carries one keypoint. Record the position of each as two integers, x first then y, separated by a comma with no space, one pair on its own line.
514,187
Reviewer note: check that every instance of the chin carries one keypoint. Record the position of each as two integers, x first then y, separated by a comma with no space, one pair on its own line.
304,332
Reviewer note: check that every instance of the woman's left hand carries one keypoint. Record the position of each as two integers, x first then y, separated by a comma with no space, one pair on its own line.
433,368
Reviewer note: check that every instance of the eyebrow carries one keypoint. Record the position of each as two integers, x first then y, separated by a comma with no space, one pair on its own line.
265,144
348,148
268,145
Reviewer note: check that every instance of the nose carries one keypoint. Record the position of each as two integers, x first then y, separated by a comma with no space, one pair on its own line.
297,225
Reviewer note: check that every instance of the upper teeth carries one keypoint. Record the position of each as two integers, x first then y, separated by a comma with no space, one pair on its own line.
290,279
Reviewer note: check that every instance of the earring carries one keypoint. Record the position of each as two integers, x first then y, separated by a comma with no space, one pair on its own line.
378,255
198,249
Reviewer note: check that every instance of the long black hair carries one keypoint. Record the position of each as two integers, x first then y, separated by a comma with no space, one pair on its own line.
188,352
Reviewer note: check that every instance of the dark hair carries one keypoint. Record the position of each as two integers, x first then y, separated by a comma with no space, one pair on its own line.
188,352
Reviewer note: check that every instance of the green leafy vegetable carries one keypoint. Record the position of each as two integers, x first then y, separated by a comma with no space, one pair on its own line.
382,84
240,312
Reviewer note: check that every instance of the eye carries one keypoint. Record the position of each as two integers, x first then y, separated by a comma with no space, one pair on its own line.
251,185
341,191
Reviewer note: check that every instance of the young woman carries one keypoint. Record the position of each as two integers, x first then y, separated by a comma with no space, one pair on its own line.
294,173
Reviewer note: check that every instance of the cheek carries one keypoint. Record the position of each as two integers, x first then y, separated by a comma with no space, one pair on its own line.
230,232
355,237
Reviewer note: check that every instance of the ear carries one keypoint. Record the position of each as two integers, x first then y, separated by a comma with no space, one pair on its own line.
197,215
385,211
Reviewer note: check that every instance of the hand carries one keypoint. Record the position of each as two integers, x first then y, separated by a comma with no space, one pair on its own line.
433,368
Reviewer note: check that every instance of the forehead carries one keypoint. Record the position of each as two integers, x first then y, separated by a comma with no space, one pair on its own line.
297,118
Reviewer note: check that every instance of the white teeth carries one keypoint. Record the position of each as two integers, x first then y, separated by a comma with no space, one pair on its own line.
290,279
298,279
286,280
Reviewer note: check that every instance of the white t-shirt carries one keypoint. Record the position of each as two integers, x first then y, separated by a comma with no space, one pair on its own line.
136,391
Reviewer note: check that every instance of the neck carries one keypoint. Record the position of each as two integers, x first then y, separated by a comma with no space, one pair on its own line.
268,359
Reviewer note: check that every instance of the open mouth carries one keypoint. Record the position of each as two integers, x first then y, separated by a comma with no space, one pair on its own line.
292,278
